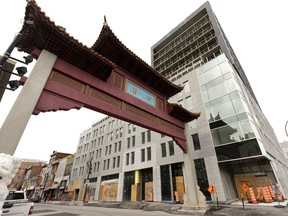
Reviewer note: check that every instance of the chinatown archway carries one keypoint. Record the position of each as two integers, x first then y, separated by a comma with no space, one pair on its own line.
106,78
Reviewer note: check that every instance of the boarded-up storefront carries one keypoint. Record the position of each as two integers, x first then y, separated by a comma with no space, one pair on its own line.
250,181
108,192
179,188
149,191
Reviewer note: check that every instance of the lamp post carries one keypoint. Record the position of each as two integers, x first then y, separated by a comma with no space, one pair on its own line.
89,168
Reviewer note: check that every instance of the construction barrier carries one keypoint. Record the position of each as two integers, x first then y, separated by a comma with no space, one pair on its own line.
176,194
259,197
252,195
273,196
267,197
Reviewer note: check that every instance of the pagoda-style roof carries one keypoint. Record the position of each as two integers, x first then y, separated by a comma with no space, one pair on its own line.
106,54
178,112
109,46
41,33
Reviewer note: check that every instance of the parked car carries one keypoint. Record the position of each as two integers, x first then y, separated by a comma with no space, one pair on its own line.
17,204
36,199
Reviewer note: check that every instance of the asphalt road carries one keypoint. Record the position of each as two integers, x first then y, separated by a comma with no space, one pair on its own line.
155,209
64,210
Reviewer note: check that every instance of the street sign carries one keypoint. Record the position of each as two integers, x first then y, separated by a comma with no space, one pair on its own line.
244,187
212,189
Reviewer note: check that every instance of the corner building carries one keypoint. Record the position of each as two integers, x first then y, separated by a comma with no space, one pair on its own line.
232,141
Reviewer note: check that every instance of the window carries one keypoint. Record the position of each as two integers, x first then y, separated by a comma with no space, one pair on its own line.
171,148
119,146
163,149
128,142
118,161
104,164
110,147
148,135
143,137
132,157
114,162
111,137
127,159
148,153
142,155
108,163
115,147
196,142
133,141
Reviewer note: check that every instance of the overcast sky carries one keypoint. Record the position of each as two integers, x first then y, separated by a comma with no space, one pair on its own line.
257,31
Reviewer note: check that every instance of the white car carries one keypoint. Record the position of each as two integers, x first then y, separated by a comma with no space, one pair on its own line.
17,204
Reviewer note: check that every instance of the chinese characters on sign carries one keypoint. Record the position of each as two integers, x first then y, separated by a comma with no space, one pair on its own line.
140,93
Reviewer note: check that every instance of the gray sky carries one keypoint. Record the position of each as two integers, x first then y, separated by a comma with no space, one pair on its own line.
257,31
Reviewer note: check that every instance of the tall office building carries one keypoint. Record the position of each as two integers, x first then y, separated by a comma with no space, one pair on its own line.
232,141
235,142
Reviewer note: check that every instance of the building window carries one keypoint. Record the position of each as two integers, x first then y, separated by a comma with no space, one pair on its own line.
196,142
121,132
148,153
108,164
106,150
143,137
127,159
119,146
104,164
110,148
114,162
128,142
148,135
132,157
115,147
171,148
163,149
142,155
133,141
118,161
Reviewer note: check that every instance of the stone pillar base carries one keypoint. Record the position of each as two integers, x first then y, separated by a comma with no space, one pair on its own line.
199,204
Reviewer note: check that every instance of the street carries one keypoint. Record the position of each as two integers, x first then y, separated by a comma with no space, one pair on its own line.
47,209
64,210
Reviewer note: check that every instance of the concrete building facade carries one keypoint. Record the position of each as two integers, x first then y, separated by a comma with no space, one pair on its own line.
232,141
237,143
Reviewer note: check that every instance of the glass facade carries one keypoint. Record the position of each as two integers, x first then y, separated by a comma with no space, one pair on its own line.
227,113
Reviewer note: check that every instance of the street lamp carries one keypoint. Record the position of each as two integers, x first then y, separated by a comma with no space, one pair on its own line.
89,168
